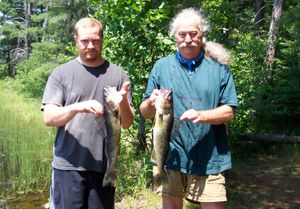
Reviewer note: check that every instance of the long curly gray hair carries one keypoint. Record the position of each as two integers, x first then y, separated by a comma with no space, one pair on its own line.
212,49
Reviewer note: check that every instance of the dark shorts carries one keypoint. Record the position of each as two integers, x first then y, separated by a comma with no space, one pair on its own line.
80,190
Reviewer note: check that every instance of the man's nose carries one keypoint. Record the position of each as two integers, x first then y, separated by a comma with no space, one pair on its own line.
188,38
90,45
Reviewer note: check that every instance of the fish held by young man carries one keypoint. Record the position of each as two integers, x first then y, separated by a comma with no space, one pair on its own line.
161,131
112,99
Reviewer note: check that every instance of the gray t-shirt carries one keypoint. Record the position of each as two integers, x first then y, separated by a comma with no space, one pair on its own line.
79,144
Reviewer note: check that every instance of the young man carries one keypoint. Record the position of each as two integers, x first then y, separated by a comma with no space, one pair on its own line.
204,98
73,101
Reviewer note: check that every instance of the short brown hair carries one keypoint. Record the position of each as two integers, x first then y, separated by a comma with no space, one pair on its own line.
88,22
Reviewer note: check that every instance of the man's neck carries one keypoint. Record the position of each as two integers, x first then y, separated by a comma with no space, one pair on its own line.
95,63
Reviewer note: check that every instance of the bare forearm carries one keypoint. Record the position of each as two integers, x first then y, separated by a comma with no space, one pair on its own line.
216,116
126,113
147,109
58,116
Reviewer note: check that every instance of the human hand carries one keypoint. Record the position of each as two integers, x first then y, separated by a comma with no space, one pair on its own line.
90,106
155,93
124,90
193,115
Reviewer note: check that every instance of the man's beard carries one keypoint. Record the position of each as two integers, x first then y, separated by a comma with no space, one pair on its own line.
91,55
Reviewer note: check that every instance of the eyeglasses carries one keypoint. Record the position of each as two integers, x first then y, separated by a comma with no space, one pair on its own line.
183,34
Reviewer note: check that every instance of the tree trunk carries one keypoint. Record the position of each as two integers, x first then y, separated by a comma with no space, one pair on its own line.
259,17
277,10
45,22
272,138
27,23
10,67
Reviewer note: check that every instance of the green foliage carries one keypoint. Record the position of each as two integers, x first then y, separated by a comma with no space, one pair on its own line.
33,73
32,83
134,171
3,71
282,94
221,16
136,39
43,21
247,69
42,53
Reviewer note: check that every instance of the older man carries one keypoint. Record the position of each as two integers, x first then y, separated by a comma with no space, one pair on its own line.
73,102
204,98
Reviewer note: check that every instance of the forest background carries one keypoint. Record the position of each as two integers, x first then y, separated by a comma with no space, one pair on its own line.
262,36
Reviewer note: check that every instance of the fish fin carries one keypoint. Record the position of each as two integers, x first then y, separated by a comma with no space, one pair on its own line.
175,128
160,178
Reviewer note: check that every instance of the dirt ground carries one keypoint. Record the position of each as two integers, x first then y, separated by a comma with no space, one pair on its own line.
266,176
264,189
267,180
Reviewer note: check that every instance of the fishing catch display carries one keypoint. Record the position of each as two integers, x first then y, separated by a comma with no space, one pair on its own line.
113,126
161,130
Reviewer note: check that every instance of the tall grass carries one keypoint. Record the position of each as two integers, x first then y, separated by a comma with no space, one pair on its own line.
25,144
134,171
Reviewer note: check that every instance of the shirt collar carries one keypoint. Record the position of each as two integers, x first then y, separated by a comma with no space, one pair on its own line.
190,64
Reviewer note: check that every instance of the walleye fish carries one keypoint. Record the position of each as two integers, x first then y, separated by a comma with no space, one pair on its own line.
112,99
161,131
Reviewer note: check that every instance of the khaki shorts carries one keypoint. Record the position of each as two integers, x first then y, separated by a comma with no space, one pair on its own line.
194,188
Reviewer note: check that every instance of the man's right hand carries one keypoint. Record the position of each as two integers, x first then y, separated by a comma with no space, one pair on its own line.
90,106
153,97
147,107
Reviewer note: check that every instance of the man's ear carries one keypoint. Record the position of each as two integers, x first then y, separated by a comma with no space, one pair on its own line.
75,39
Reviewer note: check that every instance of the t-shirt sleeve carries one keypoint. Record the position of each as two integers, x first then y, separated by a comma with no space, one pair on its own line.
228,95
153,82
53,93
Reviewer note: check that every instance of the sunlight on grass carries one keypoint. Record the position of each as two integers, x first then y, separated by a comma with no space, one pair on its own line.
25,144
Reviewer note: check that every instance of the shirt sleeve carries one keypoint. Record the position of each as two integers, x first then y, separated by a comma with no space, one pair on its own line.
53,93
228,95
153,82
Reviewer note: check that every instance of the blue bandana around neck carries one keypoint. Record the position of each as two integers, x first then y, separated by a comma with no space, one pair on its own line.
190,64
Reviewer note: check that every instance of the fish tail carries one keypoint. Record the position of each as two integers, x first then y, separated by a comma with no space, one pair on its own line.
109,179
163,179
159,179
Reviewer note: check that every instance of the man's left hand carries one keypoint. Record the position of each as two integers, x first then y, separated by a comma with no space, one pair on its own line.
193,115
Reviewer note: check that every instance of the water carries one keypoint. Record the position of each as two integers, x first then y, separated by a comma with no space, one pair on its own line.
29,201
10,199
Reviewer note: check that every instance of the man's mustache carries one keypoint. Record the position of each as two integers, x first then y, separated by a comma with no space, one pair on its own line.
192,44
